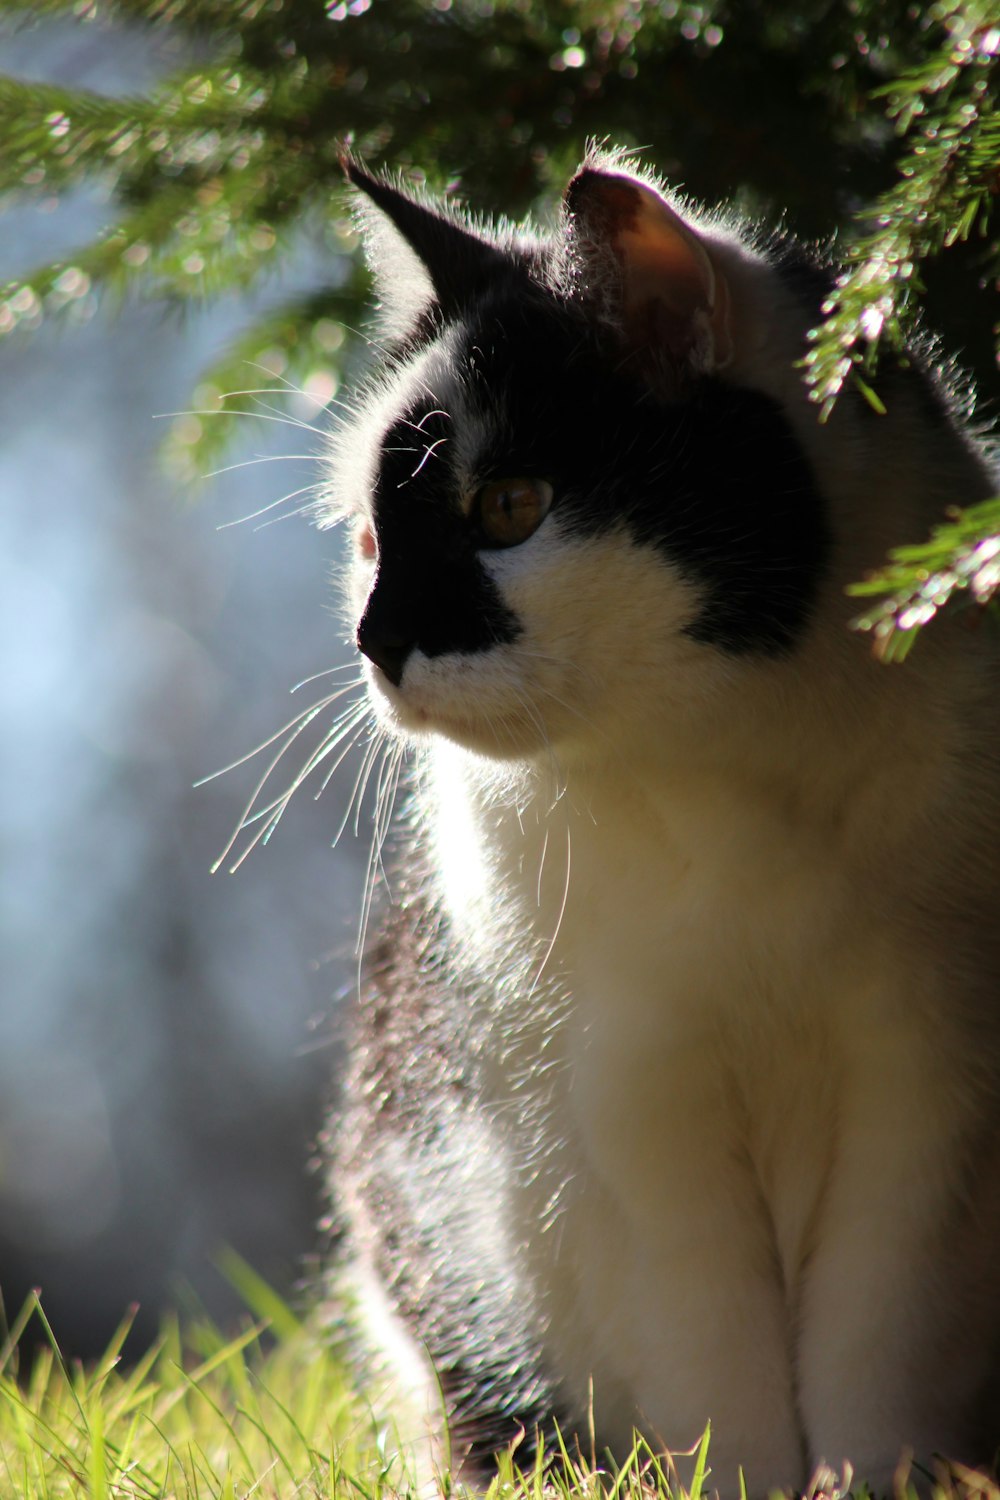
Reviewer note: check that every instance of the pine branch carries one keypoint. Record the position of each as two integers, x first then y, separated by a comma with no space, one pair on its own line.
53,135
948,181
297,349
960,563
40,10
154,240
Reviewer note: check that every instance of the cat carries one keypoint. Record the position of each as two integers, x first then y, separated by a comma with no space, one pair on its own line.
675,1092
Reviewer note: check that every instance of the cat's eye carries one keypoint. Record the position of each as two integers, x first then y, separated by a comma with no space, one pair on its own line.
509,510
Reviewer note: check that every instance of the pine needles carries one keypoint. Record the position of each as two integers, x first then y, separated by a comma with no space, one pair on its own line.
948,178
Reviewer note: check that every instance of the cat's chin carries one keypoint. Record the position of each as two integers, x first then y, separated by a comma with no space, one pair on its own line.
498,737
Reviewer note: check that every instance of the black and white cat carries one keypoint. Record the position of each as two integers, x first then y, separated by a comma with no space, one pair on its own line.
676,1083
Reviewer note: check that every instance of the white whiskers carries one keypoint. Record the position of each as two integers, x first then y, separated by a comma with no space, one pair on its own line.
348,726
261,410
562,909
387,784
354,729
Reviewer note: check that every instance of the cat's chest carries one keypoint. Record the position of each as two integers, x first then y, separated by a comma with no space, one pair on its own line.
666,917
671,984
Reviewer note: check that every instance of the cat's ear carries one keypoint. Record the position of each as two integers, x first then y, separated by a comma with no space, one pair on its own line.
426,254
655,277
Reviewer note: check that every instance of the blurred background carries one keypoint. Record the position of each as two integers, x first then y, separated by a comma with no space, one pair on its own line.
175,232
166,1035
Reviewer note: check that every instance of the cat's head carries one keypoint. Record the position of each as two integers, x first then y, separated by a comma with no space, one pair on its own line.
578,503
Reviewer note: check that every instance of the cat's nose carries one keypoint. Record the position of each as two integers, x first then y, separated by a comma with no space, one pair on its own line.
386,647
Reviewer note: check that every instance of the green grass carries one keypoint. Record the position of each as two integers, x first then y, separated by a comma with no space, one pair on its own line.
269,1413
199,1415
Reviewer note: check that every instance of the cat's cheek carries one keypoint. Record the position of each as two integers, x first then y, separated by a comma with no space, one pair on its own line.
593,665
386,701
466,699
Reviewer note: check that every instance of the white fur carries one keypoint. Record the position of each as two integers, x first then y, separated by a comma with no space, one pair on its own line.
733,909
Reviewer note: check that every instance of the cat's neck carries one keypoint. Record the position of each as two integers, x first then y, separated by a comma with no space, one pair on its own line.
819,767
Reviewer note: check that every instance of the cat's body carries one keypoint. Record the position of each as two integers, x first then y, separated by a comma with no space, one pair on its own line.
677,1070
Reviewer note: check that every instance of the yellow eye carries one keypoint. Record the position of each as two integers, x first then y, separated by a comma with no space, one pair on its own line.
509,510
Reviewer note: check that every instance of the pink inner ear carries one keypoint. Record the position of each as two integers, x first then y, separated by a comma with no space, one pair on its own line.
673,295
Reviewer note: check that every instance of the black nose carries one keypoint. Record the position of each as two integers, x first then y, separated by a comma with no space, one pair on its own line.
387,647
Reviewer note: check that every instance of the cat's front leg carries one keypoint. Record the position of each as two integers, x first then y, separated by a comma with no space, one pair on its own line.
666,1292
899,1291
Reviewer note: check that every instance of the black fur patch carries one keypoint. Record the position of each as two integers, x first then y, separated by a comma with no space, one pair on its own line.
430,590
459,261
715,479
809,275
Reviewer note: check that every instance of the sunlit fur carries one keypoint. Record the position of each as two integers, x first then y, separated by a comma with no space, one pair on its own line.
723,946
